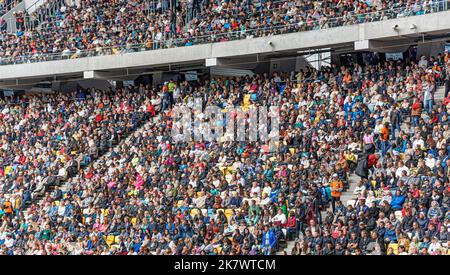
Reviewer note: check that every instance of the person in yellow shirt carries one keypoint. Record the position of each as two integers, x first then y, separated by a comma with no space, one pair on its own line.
336,190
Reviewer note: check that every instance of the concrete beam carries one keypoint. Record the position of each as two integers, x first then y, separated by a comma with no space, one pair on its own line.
399,45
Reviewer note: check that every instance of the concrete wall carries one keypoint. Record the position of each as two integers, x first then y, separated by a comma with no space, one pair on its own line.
436,22
283,65
430,49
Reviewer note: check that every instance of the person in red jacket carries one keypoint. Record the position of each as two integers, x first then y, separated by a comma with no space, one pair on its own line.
151,110
98,118
447,100
416,111
372,161
291,230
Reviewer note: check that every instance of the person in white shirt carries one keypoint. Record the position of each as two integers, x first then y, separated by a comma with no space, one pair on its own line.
280,217
434,246
400,169
9,242
423,62
378,127
360,188
418,143
430,161
255,188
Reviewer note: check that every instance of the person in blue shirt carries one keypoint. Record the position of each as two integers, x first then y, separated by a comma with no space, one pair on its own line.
390,236
185,229
397,200
348,106
274,193
268,241
170,226
68,209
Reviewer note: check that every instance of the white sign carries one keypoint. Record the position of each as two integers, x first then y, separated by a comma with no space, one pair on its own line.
394,56
190,76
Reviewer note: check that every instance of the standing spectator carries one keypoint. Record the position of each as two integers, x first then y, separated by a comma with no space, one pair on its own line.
336,191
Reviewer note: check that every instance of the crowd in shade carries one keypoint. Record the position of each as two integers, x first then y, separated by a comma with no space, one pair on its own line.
74,28
98,172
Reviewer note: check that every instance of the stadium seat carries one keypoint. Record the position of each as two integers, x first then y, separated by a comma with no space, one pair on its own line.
194,212
246,102
109,240
228,213
223,169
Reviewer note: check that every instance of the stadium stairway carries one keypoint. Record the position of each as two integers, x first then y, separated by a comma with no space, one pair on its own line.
440,94
346,197
64,186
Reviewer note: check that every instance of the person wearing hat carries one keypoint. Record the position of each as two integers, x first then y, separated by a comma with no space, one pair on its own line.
336,191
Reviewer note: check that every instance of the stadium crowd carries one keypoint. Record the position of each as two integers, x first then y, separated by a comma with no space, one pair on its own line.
86,28
97,172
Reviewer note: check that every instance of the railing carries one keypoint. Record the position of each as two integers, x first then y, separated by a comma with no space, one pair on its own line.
36,20
5,8
168,42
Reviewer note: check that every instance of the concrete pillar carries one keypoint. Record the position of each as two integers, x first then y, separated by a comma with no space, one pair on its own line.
423,49
157,78
437,47
335,59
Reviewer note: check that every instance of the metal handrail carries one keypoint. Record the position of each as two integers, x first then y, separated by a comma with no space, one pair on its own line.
218,37
8,7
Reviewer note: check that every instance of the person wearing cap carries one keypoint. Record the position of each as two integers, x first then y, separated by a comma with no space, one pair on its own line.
336,186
